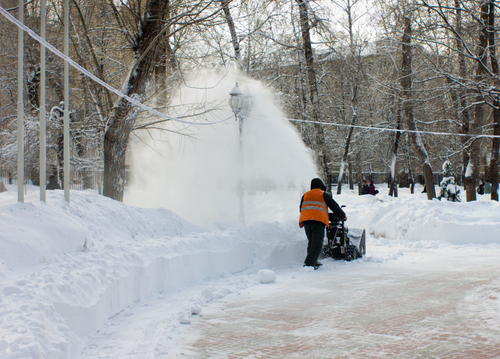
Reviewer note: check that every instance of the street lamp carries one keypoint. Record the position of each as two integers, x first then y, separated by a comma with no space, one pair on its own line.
241,105
236,100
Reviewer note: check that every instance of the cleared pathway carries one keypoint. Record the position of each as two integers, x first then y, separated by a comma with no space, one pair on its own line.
411,301
423,303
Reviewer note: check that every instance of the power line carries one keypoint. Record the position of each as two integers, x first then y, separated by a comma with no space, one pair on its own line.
394,129
95,78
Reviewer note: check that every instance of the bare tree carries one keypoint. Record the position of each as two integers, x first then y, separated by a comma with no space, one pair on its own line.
319,144
495,147
232,29
474,86
355,69
472,171
123,115
406,85
393,189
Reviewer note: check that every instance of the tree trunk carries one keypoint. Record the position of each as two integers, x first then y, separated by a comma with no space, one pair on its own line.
166,67
354,88
493,168
124,115
232,29
393,191
161,85
351,180
472,171
495,146
115,148
459,95
359,176
346,154
406,84
300,85
81,149
320,149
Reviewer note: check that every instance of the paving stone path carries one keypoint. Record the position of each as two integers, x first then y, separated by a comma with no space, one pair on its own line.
433,307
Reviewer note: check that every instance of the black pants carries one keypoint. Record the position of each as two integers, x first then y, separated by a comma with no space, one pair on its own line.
315,232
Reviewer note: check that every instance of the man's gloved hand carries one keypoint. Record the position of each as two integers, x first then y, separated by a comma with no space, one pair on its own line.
301,224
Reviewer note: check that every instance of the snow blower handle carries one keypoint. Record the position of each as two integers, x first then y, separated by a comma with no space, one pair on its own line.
345,218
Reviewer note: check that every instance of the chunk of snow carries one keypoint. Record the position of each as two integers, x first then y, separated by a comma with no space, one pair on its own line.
208,294
266,276
195,309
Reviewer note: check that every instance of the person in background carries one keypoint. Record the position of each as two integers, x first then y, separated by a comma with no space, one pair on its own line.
53,183
365,189
487,188
314,218
480,188
373,191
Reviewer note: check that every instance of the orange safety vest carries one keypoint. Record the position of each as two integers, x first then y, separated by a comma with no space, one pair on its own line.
314,207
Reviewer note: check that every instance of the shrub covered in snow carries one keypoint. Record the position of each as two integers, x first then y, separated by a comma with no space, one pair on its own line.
448,188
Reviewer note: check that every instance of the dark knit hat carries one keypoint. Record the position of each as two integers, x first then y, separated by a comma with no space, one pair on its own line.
318,183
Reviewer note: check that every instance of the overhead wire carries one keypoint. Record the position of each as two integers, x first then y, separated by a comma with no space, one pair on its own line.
371,128
95,78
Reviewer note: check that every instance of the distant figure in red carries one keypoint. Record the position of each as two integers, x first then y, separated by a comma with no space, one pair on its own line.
372,190
53,183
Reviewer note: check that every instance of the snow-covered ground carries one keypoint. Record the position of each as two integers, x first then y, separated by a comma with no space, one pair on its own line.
96,278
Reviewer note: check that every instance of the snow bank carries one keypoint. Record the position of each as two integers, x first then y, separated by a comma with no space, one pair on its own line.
45,231
414,218
90,259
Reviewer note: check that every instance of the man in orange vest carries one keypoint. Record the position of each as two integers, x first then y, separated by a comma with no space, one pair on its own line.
314,217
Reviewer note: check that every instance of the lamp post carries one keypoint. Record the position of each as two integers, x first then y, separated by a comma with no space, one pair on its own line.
241,105
236,104
20,107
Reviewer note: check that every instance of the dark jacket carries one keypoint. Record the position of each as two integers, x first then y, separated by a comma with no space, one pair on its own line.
53,185
365,189
327,197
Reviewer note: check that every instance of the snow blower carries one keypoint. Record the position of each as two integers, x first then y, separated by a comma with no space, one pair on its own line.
342,242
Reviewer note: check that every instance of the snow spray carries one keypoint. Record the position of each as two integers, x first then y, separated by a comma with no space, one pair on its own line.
198,175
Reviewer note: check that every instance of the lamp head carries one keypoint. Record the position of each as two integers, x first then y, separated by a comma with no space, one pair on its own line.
236,99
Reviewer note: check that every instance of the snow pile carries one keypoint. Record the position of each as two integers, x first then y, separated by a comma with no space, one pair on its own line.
66,268
43,232
414,218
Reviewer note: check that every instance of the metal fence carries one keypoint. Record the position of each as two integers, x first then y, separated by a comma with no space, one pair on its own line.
79,180
7,177
376,177
93,179
385,177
